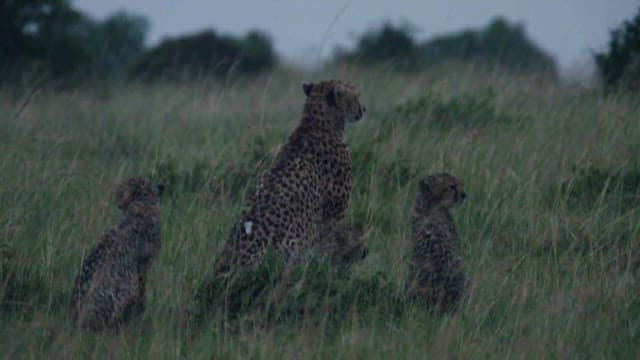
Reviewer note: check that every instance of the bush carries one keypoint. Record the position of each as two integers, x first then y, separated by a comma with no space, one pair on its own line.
119,42
620,65
467,110
388,44
206,54
499,44
51,37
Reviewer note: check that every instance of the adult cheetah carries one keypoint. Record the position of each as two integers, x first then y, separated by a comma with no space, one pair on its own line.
110,285
307,187
435,271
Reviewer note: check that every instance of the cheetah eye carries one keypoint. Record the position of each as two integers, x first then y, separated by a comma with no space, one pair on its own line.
452,187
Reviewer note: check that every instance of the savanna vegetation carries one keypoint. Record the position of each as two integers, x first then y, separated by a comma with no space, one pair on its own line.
549,233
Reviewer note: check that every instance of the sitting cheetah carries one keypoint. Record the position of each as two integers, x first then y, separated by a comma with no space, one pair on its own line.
341,245
308,185
436,274
110,287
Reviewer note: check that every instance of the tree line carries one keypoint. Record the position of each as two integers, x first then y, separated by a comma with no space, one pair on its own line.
51,36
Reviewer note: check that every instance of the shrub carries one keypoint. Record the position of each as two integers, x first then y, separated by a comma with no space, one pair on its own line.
466,110
388,44
620,65
500,43
206,54
50,36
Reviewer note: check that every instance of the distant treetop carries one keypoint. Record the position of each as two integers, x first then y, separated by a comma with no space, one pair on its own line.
206,53
51,36
620,65
500,43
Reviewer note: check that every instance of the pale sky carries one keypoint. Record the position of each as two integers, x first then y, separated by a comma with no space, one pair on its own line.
308,31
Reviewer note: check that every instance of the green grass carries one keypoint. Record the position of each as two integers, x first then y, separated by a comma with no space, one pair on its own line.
549,234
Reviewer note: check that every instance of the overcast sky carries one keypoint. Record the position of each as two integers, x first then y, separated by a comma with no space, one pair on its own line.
307,31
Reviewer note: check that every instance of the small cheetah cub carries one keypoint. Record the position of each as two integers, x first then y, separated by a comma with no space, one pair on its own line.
109,289
341,245
435,271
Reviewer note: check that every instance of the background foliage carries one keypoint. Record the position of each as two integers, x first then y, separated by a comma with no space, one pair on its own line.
207,53
500,44
620,65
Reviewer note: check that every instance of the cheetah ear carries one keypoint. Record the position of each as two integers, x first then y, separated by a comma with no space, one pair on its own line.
307,87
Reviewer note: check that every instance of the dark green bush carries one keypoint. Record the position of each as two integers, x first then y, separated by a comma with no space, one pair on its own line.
499,44
620,65
51,37
206,53
391,44
466,110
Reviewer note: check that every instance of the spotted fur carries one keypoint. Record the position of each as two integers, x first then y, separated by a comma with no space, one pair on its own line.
308,185
109,288
435,270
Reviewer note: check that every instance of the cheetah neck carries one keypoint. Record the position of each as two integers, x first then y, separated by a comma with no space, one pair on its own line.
317,114
142,213
430,215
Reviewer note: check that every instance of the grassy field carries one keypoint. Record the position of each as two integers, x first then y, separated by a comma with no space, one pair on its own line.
550,234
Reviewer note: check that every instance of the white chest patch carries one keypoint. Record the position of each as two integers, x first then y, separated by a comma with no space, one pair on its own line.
247,227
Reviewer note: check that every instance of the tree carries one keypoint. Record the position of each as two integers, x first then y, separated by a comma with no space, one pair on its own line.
119,41
55,38
257,52
500,43
620,65
206,53
390,43
48,33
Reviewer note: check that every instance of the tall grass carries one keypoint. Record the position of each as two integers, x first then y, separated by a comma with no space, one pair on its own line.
550,234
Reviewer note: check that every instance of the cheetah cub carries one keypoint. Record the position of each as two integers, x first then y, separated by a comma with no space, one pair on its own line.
110,286
436,274
342,246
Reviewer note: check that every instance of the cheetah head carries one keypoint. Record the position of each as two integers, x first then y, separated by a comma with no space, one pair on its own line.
442,190
138,190
338,97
